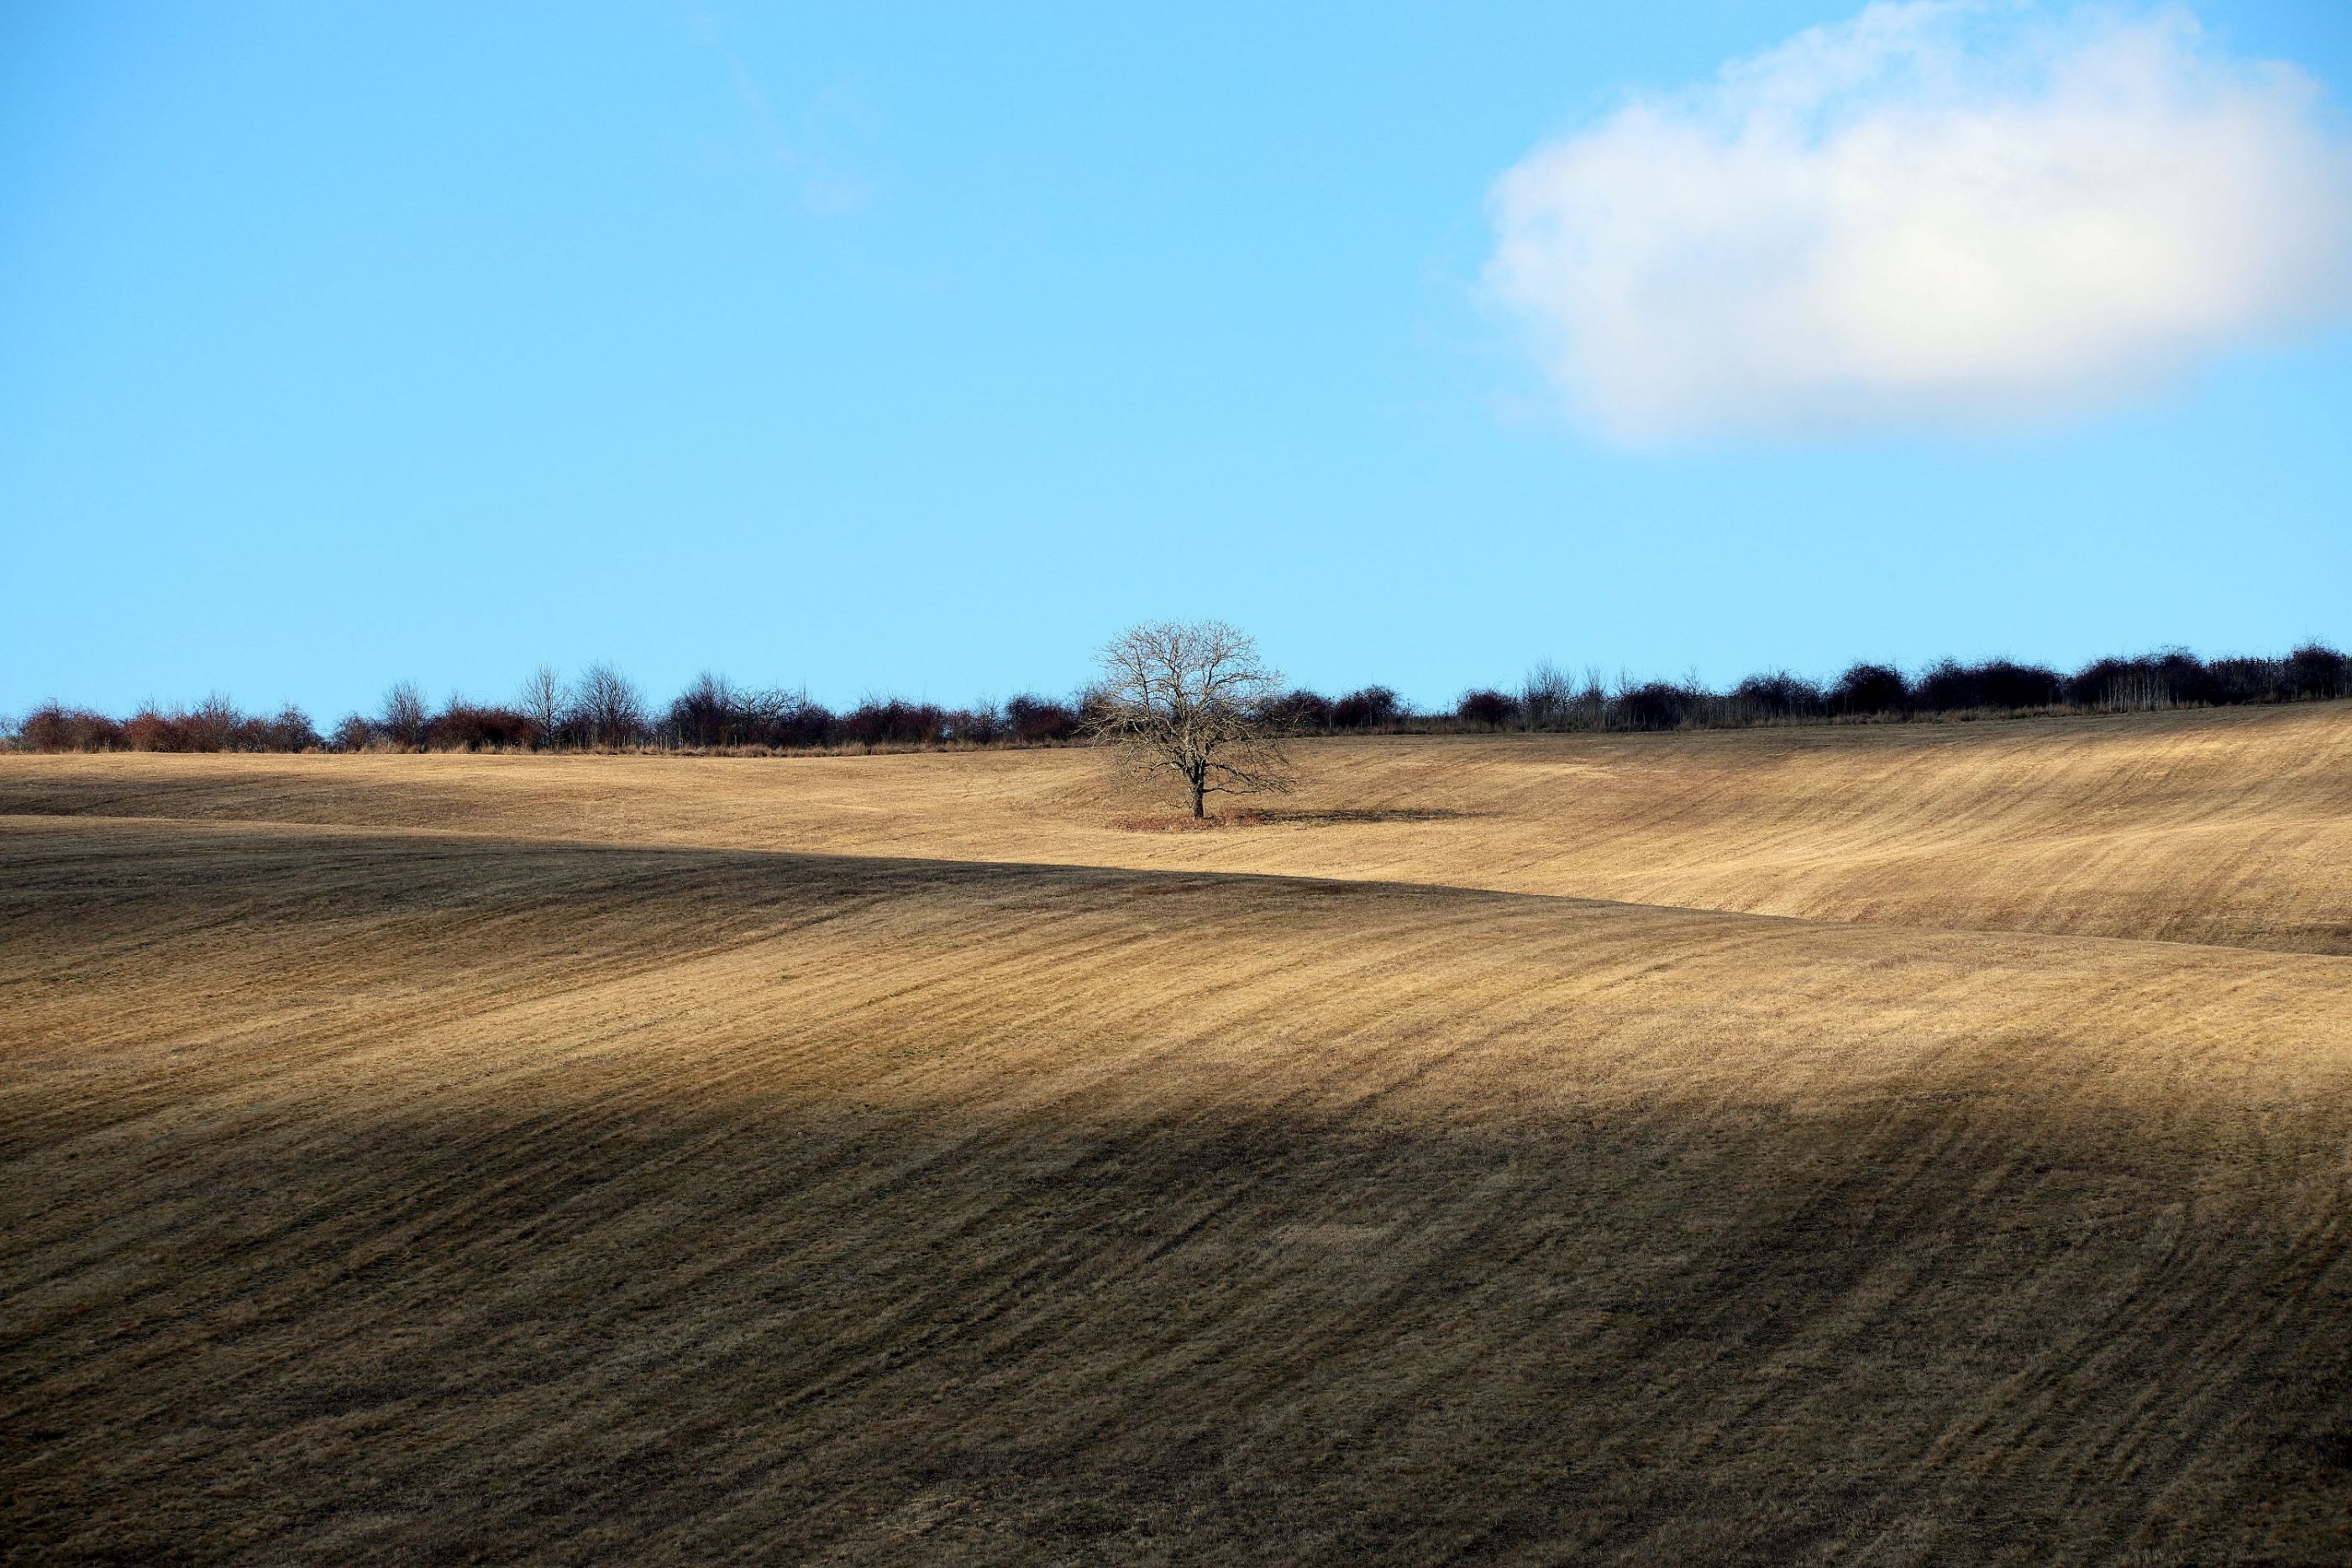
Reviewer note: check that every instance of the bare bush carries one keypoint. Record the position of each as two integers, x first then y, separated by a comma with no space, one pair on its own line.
791,719
980,724
405,717
1487,710
1298,711
152,729
212,724
606,708
1656,704
478,727
1548,698
1866,689
1367,707
710,711
894,721
52,726
1950,686
1778,697
2316,670
1033,720
290,730
543,700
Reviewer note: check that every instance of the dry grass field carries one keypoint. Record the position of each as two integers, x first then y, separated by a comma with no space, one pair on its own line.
1904,1144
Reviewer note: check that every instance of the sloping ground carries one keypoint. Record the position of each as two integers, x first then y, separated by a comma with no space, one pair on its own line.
2231,826
890,1160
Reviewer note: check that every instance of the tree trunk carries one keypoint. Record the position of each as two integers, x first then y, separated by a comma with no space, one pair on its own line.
1200,794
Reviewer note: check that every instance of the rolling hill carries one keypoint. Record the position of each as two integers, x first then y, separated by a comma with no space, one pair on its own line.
1895,1144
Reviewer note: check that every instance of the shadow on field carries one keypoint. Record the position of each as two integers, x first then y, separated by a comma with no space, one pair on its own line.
368,1197
1396,814
1262,817
621,1321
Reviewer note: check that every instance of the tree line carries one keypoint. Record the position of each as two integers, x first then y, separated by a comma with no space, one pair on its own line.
601,709
1551,699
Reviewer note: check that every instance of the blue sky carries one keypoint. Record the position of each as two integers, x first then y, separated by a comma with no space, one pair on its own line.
920,348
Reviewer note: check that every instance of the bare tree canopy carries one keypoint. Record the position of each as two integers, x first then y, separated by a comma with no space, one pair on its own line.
544,698
1193,697
607,707
405,715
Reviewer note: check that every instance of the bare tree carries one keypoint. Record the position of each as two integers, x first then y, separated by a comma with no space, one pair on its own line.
1190,696
607,704
404,715
543,700
1548,696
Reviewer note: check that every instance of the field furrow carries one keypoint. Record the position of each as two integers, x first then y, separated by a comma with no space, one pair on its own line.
379,1193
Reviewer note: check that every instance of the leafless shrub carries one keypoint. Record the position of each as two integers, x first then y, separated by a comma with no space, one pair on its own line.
1034,720
1548,698
1487,710
150,729
1298,712
1775,698
1367,707
1950,687
710,713
404,718
1867,689
982,724
606,708
1656,704
2316,670
790,719
894,721
543,700
53,727
212,724
463,725
290,730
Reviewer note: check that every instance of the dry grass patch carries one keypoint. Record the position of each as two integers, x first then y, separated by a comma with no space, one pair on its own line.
1214,822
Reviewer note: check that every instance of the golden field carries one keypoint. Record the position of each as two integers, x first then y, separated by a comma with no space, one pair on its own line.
1905,1144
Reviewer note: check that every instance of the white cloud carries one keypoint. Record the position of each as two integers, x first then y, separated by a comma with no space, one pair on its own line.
1933,213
